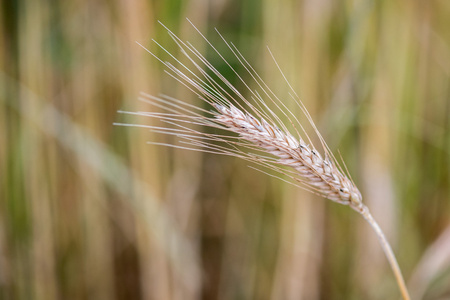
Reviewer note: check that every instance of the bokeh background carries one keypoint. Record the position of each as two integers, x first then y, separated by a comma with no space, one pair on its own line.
89,210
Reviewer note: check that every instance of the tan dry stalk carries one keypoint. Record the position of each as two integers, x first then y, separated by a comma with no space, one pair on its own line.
259,137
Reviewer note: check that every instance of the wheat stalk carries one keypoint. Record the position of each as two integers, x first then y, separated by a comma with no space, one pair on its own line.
254,131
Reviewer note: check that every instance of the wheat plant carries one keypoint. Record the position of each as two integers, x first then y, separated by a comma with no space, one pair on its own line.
251,128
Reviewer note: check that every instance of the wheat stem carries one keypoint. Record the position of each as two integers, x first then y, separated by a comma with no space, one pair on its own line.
388,251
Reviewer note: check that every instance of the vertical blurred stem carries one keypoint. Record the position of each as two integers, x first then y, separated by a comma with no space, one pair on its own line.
388,251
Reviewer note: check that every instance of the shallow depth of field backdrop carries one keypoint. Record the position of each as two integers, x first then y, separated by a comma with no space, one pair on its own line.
89,210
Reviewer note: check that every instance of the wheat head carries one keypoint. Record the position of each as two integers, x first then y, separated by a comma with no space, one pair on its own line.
253,130
319,173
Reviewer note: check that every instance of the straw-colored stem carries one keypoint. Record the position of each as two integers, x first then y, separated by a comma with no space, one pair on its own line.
388,251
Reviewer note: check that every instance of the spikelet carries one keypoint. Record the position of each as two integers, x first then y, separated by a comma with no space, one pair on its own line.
313,170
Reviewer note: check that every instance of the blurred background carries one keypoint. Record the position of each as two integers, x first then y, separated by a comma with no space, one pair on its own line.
89,210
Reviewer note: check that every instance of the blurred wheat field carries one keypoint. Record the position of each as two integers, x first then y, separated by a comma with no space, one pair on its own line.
91,211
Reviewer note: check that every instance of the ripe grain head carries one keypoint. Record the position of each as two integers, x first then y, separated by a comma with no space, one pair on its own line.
250,127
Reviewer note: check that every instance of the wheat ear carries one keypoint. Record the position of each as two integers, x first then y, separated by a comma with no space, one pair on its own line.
254,131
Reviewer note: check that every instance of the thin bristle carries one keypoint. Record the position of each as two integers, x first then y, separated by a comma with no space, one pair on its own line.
258,126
